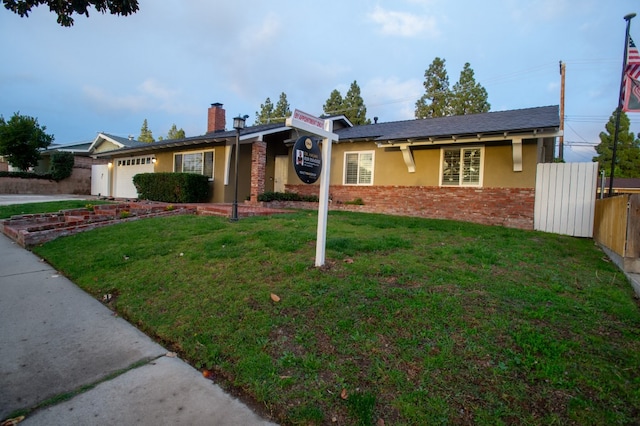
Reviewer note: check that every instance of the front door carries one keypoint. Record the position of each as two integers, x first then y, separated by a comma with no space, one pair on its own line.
281,173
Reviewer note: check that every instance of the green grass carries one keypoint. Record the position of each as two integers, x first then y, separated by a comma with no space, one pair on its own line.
51,206
419,321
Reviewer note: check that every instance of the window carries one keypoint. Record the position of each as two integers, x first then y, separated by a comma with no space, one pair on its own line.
461,167
200,162
358,168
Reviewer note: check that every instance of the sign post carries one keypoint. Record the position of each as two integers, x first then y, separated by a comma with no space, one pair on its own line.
323,128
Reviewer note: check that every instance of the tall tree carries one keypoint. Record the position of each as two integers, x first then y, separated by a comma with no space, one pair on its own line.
467,96
21,139
627,150
354,107
437,97
335,104
175,133
65,8
282,109
145,134
266,112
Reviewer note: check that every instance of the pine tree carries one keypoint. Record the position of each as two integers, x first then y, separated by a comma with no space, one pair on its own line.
266,112
467,96
437,97
335,104
145,134
174,133
627,150
354,107
282,109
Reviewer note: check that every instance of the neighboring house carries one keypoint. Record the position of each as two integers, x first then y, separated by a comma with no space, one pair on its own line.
620,185
477,168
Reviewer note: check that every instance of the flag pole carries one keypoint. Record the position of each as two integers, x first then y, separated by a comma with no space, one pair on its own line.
627,18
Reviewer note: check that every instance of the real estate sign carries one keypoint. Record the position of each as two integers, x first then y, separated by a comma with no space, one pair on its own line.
323,128
307,159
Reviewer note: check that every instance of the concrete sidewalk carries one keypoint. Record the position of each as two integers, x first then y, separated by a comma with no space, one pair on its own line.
55,339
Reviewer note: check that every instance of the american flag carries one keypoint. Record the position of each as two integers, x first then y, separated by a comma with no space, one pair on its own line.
633,61
631,95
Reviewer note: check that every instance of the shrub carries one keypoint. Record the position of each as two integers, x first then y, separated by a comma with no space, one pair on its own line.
26,175
61,165
172,187
286,196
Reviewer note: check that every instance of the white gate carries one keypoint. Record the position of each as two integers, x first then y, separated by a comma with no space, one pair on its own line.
565,198
100,180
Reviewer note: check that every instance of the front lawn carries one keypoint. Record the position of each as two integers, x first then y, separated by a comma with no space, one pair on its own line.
411,321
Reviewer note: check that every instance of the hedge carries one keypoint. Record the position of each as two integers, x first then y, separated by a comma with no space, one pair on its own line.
172,187
286,196
26,175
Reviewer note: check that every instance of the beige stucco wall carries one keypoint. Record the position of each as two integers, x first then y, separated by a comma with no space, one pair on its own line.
221,193
105,146
390,168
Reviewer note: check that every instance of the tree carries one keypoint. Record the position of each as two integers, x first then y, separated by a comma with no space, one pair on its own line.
266,112
282,110
335,104
65,8
146,135
274,114
467,96
437,97
354,107
174,133
627,150
21,139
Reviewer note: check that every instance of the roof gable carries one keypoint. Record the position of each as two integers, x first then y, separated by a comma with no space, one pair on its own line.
106,142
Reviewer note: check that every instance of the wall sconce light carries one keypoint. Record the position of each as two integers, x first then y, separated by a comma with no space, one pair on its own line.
110,164
153,160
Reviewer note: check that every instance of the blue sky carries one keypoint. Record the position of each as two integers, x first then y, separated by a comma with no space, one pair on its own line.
168,62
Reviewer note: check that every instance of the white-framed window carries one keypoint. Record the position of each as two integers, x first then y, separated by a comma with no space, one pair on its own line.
199,162
358,168
461,166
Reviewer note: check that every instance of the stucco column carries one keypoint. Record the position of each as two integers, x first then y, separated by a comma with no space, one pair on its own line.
258,169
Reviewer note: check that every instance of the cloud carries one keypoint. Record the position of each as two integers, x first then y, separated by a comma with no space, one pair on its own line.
403,24
149,95
391,98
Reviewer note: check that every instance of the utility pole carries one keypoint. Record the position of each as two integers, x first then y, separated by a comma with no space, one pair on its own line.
561,139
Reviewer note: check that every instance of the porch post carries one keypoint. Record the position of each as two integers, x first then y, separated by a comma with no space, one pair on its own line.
258,169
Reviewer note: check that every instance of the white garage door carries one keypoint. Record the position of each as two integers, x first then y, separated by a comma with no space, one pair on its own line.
125,170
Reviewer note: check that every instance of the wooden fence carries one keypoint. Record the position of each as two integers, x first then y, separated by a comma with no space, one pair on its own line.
617,230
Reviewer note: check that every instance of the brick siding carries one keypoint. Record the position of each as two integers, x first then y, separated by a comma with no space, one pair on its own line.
258,166
509,207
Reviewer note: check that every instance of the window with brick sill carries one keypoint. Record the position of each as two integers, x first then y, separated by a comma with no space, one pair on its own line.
461,166
358,168
199,162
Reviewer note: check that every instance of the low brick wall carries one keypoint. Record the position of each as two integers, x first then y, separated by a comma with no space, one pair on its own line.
509,207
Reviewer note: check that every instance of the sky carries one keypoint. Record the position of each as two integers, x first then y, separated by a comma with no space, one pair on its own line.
172,59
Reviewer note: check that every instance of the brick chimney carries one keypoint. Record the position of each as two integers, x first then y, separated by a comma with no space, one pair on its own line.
216,119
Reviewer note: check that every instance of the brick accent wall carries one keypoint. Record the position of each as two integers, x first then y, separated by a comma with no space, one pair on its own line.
509,207
258,169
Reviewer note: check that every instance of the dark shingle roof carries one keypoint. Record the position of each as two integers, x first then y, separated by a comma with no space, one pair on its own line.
472,124
124,141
